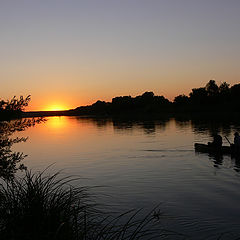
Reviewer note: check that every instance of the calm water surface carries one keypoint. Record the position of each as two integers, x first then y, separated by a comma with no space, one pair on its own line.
146,163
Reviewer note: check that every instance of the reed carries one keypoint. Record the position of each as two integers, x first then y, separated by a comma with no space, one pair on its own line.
40,206
43,207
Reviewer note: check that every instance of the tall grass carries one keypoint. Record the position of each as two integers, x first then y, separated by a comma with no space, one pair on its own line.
38,206
43,207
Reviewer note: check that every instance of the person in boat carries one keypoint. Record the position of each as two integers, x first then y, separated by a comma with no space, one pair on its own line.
217,141
235,147
236,141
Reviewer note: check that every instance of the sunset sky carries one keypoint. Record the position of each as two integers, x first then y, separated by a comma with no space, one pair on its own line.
67,53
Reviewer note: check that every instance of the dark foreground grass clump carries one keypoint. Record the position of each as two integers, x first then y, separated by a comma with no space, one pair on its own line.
42,207
37,206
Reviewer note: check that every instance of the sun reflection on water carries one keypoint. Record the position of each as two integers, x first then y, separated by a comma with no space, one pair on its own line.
57,122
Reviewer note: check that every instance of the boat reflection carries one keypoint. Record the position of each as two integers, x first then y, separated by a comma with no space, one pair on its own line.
222,160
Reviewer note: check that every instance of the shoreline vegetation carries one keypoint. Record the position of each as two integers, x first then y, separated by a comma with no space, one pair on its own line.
212,100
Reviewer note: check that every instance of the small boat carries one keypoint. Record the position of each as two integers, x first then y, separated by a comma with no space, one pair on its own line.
205,148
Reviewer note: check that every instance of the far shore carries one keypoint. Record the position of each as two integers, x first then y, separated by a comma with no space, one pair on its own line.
216,115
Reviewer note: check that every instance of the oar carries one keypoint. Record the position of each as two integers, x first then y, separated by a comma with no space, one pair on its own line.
228,140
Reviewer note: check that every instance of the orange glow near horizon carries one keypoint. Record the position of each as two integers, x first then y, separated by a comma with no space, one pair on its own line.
56,107
66,104
65,100
47,102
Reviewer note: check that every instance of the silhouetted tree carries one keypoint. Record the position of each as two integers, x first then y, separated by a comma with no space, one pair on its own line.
224,93
148,96
181,100
144,99
13,108
198,96
212,88
10,161
235,95
235,91
224,88
100,107
161,100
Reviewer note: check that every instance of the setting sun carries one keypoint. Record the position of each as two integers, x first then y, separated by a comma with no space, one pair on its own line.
55,107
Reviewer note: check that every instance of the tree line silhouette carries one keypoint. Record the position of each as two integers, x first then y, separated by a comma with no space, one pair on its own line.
210,98
145,103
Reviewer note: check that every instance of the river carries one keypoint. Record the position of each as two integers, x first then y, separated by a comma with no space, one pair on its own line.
141,164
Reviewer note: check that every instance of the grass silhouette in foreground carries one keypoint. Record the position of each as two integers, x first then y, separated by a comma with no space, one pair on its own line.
37,206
